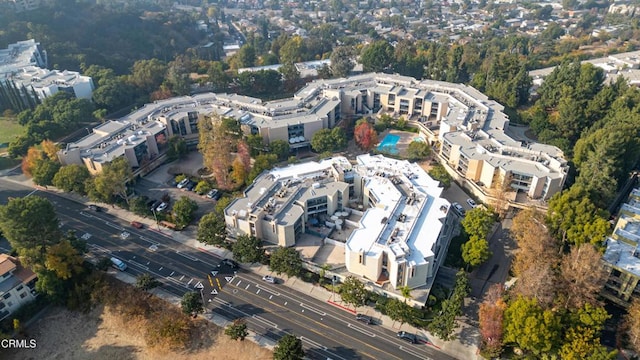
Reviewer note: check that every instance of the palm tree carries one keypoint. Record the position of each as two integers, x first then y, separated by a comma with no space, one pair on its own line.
406,293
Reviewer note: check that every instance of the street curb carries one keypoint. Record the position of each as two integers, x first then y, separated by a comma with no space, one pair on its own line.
341,307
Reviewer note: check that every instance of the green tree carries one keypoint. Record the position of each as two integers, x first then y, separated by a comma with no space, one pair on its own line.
237,330
31,226
183,211
438,172
147,75
138,206
103,264
530,327
248,249
112,181
444,324
478,222
398,311
212,229
72,178
341,61
377,56
418,150
339,138
352,292
286,260
246,56
475,251
177,148
146,282
192,303
50,285
582,338
574,219
44,171
256,144
262,162
289,347
280,148
322,141
203,187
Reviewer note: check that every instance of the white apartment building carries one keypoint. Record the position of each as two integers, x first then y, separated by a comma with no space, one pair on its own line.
401,237
23,69
622,255
472,130
17,285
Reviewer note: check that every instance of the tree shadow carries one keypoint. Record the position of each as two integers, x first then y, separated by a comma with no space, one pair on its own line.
341,351
468,336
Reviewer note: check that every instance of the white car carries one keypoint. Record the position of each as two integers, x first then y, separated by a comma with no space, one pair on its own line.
269,279
472,203
162,206
183,183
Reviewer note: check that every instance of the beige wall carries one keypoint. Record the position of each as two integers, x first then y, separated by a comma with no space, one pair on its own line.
474,169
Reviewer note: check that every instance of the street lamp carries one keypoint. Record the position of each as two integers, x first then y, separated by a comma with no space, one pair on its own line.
202,296
333,286
155,217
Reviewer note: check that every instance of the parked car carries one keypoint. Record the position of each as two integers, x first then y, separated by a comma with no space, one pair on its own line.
95,208
269,279
162,206
190,186
412,338
364,318
137,225
183,183
458,208
213,194
230,263
472,203
154,205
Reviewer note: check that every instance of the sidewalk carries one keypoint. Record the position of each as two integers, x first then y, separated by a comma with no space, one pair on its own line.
463,347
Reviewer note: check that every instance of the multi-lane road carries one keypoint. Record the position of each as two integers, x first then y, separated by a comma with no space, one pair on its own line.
271,310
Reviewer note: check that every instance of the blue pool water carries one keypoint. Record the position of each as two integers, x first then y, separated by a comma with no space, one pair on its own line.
388,144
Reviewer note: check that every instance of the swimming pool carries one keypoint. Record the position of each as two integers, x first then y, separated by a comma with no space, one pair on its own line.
388,144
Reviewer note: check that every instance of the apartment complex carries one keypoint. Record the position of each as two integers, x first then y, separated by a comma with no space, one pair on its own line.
622,256
471,129
17,285
401,226
25,79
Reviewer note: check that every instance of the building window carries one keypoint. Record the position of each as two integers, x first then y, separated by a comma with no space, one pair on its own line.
6,296
19,288
23,295
412,273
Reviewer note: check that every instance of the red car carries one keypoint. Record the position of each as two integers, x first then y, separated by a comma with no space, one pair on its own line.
137,225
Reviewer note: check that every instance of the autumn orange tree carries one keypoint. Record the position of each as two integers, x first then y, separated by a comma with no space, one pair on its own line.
491,315
365,135
537,258
47,149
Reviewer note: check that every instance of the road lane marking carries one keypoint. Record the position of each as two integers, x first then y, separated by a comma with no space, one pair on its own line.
248,285
267,290
313,343
285,303
414,353
368,333
176,281
189,283
114,226
270,297
173,272
85,214
152,242
133,262
187,256
161,267
258,292
311,308
31,193
181,277
265,321
225,303
238,284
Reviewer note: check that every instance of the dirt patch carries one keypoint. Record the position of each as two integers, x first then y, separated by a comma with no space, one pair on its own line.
103,334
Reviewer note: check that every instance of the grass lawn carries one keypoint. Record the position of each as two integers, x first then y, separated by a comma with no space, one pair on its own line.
10,129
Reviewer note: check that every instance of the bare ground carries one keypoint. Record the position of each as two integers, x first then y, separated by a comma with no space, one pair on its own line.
102,334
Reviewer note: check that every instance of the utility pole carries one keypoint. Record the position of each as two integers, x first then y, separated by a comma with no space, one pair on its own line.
155,217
